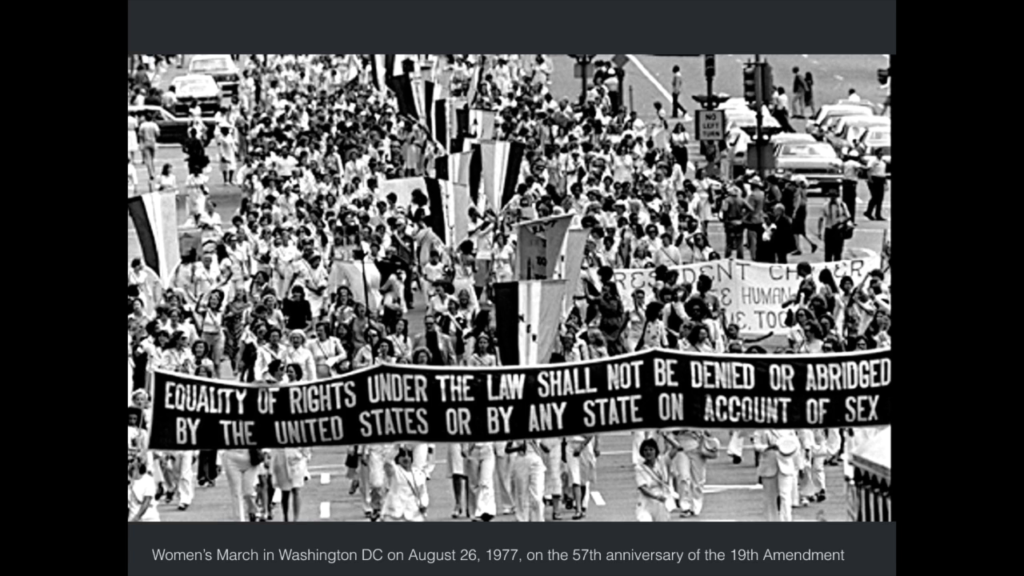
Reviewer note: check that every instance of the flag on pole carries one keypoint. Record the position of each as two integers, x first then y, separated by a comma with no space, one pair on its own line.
449,210
155,217
575,245
463,168
501,163
541,248
475,123
527,315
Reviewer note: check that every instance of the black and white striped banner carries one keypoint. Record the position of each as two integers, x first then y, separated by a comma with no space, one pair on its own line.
155,218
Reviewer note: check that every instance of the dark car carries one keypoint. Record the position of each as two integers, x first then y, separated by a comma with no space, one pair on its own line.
173,129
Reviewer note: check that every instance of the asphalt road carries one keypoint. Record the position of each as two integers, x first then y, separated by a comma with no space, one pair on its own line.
732,493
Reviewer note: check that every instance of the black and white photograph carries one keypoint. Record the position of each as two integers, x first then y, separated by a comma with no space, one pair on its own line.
566,288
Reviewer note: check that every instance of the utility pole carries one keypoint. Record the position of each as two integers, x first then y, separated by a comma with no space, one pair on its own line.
759,112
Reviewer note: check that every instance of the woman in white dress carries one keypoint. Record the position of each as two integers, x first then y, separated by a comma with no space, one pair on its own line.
656,498
328,353
289,466
407,498
167,182
141,493
298,354
227,147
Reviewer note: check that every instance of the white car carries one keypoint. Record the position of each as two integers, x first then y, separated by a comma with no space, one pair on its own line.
197,89
221,67
831,113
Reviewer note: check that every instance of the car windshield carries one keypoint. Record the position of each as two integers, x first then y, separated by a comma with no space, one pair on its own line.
812,149
209,64
882,133
194,83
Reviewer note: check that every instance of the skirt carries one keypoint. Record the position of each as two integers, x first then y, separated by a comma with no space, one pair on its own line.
288,469
800,221
456,462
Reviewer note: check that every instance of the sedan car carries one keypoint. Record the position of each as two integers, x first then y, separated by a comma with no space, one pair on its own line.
173,129
815,161
197,89
830,114
845,134
747,121
221,67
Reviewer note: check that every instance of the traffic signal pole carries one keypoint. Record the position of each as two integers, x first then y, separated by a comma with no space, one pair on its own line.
759,114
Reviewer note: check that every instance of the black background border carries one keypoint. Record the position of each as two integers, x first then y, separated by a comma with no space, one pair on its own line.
502,26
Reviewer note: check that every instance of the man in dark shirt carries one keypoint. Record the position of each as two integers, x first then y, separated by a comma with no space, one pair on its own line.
734,212
754,221
677,92
799,93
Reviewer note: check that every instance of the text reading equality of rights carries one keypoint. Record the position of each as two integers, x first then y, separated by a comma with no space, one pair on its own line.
496,555
650,389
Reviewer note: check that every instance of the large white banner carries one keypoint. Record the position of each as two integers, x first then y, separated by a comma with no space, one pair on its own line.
752,293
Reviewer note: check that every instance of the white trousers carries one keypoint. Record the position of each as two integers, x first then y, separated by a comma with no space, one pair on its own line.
503,479
735,443
692,470
241,482
423,459
186,477
480,470
528,486
778,497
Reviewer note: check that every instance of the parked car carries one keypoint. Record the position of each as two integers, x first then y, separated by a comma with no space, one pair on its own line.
830,113
815,161
173,129
747,121
221,67
788,138
844,135
874,136
197,89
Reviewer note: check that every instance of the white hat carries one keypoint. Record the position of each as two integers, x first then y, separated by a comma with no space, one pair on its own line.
788,445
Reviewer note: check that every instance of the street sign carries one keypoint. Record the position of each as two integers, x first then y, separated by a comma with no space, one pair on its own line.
620,60
710,125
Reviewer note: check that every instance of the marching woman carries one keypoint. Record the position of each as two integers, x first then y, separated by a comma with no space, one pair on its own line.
272,350
482,356
691,449
400,341
289,466
297,353
209,317
407,499
552,449
327,351
656,498
581,462
366,354
480,461
141,493
527,479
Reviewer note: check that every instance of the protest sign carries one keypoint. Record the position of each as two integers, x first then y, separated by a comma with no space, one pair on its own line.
752,293
651,389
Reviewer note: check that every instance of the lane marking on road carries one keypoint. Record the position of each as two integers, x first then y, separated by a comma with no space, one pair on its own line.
805,55
715,489
647,74
838,77
815,62
596,497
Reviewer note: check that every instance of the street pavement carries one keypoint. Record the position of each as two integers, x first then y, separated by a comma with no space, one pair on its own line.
732,493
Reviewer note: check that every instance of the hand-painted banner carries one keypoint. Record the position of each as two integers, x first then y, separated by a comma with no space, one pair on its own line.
650,389
752,293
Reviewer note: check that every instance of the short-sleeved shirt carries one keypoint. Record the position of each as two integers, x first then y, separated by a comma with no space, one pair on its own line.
148,133
140,489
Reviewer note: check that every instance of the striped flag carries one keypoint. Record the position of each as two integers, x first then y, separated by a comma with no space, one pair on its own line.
383,68
425,95
155,217
575,245
541,248
475,123
439,126
527,316
464,168
402,86
501,166
449,210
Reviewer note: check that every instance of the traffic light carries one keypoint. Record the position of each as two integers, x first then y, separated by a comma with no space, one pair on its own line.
767,84
709,65
750,88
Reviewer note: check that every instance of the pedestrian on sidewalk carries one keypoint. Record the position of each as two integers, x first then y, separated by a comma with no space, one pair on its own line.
148,134
799,94
835,223
851,176
876,185
677,92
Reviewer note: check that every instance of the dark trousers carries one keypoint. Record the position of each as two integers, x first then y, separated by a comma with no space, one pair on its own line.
207,471
753,233
833,244
734,241
676,107
876,185
850,197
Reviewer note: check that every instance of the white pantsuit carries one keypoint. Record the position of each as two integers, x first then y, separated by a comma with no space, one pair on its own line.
241,482
553,463
528,484
480,467
503,479
186,477
778,475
